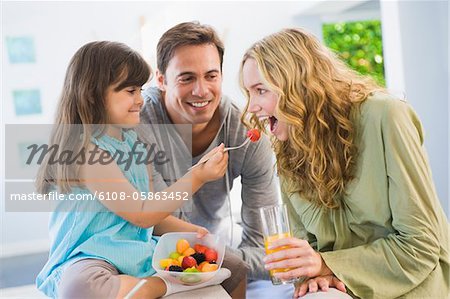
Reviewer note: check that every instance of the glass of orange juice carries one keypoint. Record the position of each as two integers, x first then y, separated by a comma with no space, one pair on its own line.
275,223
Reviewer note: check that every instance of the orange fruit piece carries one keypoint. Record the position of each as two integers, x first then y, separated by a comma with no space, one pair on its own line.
182,245
199,267
175,262
165,262
210,267
189,251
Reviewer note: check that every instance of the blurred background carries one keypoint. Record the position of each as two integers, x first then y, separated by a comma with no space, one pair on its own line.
402,44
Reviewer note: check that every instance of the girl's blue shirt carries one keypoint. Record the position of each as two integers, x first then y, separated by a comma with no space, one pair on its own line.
81,229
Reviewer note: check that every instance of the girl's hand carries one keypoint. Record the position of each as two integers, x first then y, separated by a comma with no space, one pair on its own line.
300,257
215,167
322,283
201,232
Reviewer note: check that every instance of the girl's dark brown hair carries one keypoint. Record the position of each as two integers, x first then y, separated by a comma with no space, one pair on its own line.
92,70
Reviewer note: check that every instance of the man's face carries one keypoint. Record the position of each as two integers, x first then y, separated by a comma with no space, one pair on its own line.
192,84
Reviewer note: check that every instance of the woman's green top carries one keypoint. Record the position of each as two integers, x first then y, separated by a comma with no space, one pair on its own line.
389,238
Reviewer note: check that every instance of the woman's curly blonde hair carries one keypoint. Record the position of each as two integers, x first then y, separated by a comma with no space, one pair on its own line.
318,99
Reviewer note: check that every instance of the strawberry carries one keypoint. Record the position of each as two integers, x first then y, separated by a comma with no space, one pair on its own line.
200,248
211,255
253,135
188,262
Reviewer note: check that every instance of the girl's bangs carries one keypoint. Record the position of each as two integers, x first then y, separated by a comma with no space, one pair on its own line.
136,72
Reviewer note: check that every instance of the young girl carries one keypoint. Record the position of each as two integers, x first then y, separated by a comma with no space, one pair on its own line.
355,178
102,248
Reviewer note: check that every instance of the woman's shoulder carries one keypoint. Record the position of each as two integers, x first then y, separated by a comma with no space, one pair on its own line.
385,106
386,101
390,112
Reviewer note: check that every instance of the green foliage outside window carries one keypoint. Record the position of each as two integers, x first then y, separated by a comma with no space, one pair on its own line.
359,44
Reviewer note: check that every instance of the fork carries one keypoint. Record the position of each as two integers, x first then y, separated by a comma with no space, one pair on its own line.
224,150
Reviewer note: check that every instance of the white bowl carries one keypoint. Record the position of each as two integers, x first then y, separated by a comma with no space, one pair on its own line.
167,244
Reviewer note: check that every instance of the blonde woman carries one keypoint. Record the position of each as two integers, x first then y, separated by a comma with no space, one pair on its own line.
354,175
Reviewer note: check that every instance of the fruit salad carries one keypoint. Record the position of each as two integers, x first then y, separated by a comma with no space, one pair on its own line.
189,259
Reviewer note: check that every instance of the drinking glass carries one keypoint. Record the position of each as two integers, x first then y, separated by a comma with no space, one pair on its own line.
275,224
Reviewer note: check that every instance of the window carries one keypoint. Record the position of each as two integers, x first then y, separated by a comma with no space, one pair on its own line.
359,44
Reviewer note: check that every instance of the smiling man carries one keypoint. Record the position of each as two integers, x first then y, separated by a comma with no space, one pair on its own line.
189,92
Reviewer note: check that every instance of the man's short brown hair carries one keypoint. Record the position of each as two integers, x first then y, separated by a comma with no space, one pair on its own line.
186,34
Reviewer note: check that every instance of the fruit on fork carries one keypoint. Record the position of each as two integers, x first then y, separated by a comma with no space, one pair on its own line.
253,135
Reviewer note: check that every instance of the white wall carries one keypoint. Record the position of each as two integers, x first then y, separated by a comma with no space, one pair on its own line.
415,35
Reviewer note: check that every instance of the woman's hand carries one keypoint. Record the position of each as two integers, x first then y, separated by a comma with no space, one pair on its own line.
300,257
322,283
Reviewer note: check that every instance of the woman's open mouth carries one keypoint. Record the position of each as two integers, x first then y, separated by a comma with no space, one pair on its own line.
273,123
